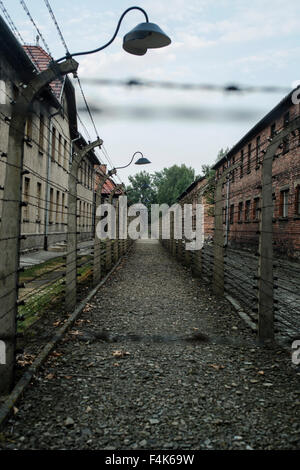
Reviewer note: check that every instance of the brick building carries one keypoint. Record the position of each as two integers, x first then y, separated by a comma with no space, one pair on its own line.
242,190
196,193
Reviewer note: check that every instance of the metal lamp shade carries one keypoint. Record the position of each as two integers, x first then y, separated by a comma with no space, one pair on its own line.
145,36
142,161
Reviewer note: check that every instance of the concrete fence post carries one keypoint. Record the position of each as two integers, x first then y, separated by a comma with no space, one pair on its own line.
97,240
265,262
197,264
71,258
11,214
218,266
109,243
218,246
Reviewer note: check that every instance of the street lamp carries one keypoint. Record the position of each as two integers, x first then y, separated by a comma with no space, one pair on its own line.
141,38
141,161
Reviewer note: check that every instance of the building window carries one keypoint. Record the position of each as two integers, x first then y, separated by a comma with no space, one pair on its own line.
242,164
247,211
53,143
286,144
41,133
38,199
26,200
29,127
91,180
286,119
88,177
240,212
59,155
256,208
66,155
57,207
83,214
80,214
273,205
51,214
284,203
273,130
233,171
63,208
257,159
249,159
231,214
297,200
286,139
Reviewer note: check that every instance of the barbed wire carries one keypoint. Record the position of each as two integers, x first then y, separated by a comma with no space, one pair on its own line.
35,26
141,83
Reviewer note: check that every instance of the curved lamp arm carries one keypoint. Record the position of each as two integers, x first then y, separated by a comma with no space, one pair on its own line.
111,40
121,167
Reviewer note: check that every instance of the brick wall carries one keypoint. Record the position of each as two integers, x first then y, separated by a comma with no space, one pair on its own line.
195,194
245,185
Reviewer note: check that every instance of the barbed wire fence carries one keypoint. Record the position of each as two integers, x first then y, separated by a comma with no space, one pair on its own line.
247,258
37,162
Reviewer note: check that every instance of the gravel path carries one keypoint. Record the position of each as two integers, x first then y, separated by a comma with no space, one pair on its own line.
137,371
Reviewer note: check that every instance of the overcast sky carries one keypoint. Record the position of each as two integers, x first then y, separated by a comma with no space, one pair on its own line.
213,42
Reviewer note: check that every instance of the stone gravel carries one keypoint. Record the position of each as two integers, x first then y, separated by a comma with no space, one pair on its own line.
156,361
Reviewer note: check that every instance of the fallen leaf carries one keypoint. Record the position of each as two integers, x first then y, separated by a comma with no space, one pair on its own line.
49,376
75,332
56,354
119,353
216,366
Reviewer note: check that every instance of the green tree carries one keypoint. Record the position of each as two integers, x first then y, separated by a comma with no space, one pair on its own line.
222,152
209,174
141,189
171,182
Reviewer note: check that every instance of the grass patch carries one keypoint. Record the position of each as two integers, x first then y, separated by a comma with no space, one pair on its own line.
38,303
50,296
39,270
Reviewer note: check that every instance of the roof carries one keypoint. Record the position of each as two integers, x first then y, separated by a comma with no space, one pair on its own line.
267,120
190,187
13,52
109,184
41,59
25,60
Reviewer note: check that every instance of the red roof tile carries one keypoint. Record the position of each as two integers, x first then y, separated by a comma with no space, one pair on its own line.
41,59
109,184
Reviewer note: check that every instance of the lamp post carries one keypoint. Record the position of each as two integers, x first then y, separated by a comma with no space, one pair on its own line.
141,38
141,161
